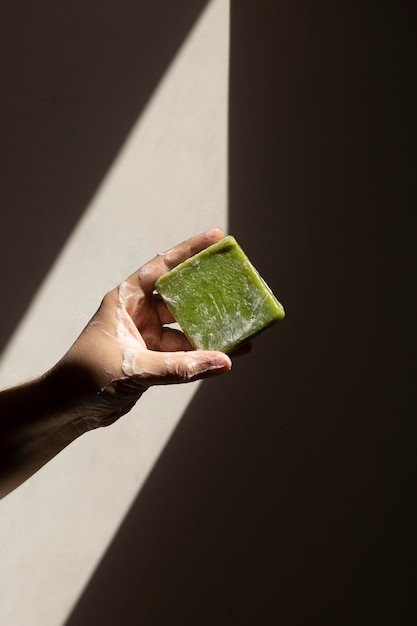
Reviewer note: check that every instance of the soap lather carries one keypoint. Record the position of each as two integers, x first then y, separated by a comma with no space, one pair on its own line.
218,297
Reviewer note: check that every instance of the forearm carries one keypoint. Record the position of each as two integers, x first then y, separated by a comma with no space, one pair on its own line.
36,423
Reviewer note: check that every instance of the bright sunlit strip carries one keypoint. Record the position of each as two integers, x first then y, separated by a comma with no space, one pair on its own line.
168,182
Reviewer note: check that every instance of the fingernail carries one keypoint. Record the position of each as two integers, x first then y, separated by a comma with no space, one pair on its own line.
221,363
215,231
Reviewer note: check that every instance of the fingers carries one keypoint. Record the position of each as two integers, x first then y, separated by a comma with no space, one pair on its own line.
166,340
164,368
164,314
149,273
173,340
188,248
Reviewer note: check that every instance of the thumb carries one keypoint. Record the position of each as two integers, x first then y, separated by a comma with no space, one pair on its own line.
164,368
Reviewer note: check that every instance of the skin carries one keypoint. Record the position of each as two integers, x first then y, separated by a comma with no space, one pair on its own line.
126,348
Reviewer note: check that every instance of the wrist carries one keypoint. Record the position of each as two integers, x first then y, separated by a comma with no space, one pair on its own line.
35,424
69,392
80,402
50,407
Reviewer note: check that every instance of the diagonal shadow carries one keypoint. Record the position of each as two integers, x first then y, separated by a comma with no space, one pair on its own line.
283,495
75,77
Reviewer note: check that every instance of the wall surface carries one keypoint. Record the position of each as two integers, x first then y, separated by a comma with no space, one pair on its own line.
284,493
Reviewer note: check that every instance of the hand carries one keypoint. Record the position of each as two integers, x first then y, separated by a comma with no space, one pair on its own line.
128,347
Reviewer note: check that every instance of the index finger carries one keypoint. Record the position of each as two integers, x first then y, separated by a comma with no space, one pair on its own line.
148,274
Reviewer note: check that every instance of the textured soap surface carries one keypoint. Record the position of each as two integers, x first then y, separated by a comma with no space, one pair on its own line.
218,297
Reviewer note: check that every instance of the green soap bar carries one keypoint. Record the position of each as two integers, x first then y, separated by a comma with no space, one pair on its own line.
218,297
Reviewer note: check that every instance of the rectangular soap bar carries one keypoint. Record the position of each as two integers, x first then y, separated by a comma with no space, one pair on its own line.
218,298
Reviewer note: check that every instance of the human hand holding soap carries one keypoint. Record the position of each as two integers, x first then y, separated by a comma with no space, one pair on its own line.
127,347
207,284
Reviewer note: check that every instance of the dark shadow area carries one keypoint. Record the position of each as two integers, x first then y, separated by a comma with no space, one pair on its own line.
75,77
286,494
